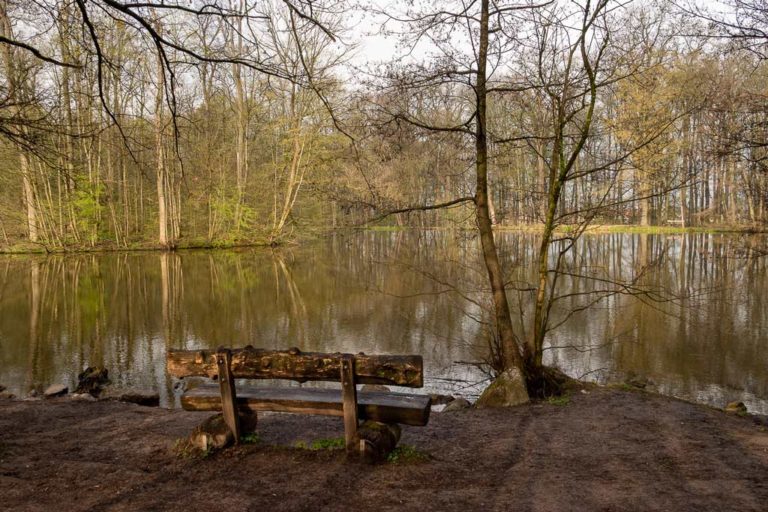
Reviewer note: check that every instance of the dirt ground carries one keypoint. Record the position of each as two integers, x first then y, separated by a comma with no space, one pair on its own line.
605,450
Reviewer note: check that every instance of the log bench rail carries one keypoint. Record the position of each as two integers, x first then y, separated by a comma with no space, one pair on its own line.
226,365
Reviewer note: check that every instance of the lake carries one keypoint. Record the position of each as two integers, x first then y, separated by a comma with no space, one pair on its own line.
690,314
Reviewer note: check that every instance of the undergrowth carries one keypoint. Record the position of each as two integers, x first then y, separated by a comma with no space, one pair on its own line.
250,438
332,443
407,454
559,400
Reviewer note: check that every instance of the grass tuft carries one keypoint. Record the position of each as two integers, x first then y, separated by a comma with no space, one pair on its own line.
407,454
561,400
333,443
250,438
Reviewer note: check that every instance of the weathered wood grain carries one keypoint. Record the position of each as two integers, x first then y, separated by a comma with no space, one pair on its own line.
349,402
253,363
228,392
385,407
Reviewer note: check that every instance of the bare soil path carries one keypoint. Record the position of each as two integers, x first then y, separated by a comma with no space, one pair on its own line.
606,450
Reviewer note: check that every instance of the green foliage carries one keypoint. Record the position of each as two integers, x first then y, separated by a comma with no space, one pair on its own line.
333,443
88,210
559,400
250,438
89,299
328,444
407,454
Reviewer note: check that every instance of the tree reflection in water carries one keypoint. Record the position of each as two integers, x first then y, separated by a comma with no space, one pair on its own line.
397,292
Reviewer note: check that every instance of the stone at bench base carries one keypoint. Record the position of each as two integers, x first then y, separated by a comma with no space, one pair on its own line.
377,440
214,434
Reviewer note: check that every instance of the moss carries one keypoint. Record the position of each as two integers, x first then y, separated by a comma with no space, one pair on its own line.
406,454
333,443
626,387
559,400
507,390
183,449
328,444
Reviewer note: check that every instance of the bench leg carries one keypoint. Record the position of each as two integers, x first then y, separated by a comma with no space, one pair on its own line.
349,399
228,395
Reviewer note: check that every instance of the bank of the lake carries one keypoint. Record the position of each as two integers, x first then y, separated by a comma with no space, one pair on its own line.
636,229
405,292
606,449
203,244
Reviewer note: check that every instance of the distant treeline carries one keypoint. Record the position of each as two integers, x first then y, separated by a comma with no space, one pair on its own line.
105,140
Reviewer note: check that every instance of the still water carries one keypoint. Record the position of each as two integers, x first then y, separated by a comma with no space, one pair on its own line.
691,314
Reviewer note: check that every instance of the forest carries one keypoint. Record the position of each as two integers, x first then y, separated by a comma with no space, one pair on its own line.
173,124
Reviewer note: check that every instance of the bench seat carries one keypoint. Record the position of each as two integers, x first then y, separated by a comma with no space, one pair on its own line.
382,406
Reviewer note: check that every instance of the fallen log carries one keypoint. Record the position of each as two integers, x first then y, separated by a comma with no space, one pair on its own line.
377,440
253,363
215,434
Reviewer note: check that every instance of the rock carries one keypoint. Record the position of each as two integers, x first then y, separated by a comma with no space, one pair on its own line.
85,397
736,408
92,380
214,434
7,395
506,391
55,390
147,398
457,405
374,387
441,399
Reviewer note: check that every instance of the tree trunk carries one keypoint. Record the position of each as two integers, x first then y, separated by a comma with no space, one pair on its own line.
510,352
29,198
15,93
645,203
161,171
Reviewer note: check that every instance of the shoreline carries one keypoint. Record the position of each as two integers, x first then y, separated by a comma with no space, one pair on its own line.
26,248
602,449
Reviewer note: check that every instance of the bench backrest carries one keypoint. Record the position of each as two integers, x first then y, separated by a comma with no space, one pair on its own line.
292,364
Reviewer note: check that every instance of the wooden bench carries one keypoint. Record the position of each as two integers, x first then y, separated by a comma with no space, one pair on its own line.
250,363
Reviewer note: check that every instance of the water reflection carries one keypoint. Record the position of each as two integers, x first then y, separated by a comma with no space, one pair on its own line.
400,292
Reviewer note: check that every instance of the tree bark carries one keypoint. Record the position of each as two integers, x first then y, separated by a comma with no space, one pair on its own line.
510,351
161,171
29,197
